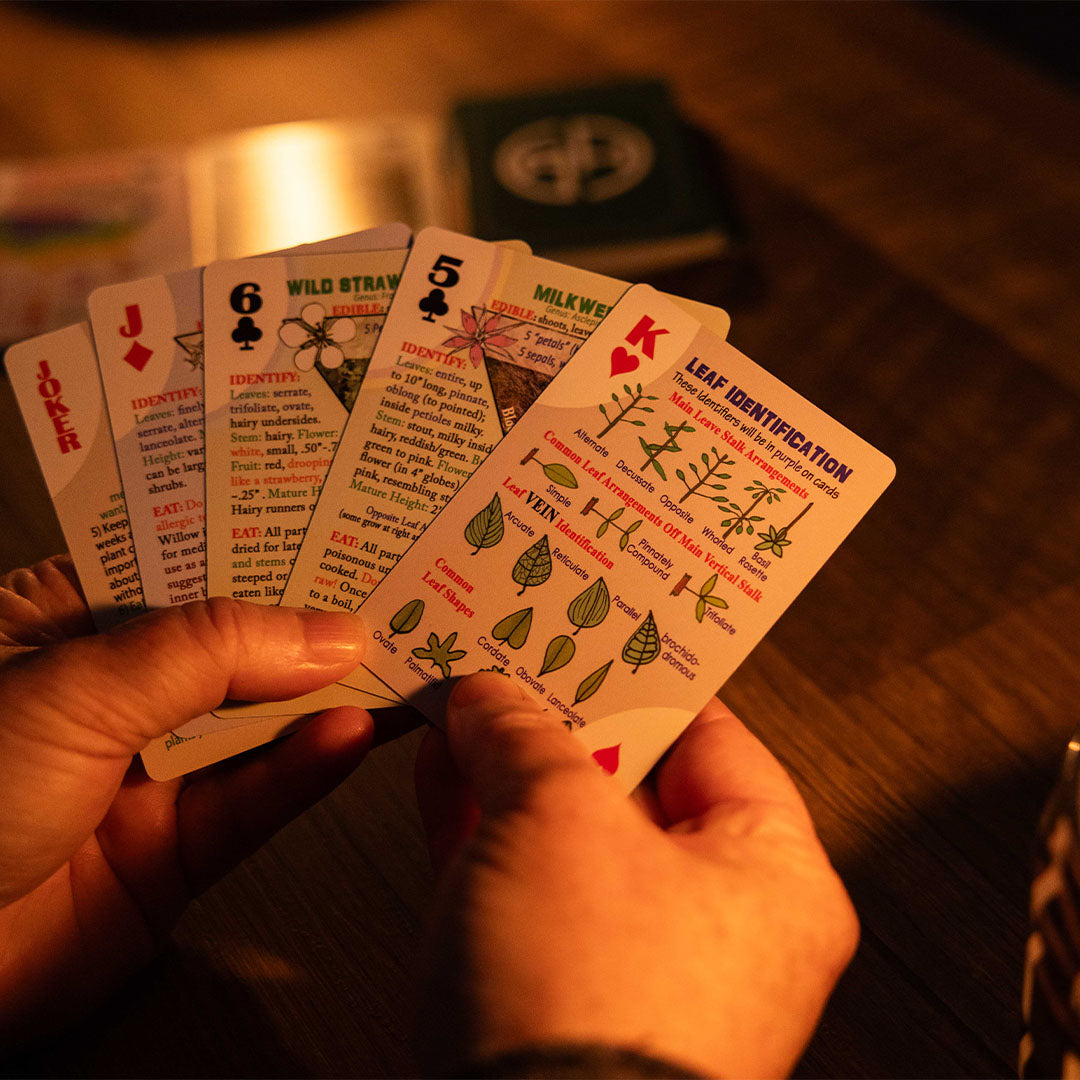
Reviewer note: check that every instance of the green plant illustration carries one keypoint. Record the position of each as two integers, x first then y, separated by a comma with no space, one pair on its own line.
441,653
590,608
533,566
514,629
407,619
742,520
555,471
704,595
704,478
669,446
634,397
609,520
591,683
775,540
559,653
486,529
643,645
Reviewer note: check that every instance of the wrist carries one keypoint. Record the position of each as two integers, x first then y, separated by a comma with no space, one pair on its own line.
572,1060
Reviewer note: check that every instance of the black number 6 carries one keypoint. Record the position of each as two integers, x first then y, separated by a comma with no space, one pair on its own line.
245,298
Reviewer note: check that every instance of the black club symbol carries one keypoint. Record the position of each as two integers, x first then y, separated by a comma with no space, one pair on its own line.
246,332
434,304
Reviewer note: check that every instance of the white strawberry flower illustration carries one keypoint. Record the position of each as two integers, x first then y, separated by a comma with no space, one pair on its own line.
316,337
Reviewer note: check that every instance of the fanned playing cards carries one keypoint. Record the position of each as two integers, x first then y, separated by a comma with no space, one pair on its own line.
502,462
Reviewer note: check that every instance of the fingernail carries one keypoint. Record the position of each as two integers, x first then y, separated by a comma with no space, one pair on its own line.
489,687
333,637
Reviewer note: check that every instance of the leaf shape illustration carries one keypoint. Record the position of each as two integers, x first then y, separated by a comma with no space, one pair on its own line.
590,608
591,683
775,540
708,587
514,629
715,601
406,620
603,529
559,653
699,611
558,473
534,565
624,540
486,528
643,646
441,653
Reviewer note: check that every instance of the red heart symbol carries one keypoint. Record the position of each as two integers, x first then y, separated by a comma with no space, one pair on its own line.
608,758
622,361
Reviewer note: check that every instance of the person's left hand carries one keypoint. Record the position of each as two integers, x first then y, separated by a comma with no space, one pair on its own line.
97,862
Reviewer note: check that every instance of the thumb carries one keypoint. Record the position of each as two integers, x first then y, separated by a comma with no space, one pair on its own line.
505,744
73,714
115,692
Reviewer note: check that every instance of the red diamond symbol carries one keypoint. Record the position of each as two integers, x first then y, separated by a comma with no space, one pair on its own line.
138,355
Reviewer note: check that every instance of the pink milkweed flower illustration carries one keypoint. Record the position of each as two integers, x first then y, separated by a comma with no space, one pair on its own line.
317,337
483,333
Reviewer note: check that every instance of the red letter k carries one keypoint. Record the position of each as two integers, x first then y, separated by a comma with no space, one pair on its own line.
646,335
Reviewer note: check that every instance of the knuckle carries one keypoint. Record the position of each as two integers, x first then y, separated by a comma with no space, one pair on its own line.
212,632
212,622
222,611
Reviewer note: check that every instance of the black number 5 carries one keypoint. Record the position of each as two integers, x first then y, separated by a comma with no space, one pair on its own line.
443,273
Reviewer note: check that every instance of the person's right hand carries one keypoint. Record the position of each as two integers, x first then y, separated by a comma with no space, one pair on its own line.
703,925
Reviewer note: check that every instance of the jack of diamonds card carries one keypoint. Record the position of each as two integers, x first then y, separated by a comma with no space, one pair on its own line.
148,335
630,540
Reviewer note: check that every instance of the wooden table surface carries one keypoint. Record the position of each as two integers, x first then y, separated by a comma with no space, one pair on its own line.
910,201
